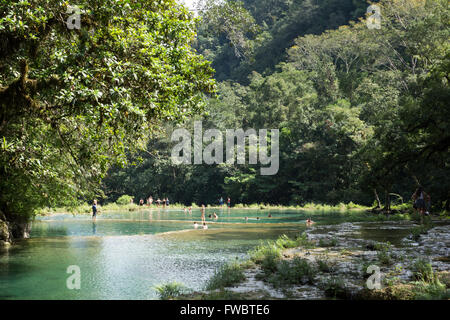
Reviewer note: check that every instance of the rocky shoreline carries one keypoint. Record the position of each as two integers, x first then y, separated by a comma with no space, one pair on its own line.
341,255
10,231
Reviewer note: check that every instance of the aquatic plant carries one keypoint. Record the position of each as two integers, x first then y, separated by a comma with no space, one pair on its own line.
328,243
303,241
431,291
226,276
334,287
416,232
323,266
384,255
296,271
171,290
423,271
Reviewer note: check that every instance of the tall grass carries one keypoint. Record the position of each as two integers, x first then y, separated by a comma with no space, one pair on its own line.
171,290
296,271
226,276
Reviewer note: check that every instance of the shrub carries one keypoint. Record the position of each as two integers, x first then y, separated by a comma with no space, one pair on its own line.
171,290
285,242
266,253
323,266
383,254
422,229
297,271
228,275
328,243
335,288
423,271
302,240
124,200
431,291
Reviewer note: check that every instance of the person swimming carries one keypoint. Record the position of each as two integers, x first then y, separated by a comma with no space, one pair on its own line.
215,216
309,222
269,216
205,226
195,225
210,216
246,219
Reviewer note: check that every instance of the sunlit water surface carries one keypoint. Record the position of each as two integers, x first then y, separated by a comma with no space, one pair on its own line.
124,255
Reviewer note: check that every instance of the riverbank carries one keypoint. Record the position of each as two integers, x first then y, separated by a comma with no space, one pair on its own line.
331,261
86,208
309,207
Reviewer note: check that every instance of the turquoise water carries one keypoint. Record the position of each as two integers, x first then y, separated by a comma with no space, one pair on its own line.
123,255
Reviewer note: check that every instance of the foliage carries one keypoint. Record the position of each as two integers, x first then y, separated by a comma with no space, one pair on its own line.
334,287
227,276
171,290
297,271
362,113
266,256
74,101
328,243
124,200
384,254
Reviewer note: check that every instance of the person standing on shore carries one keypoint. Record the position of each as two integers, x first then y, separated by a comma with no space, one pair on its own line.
229,202
221,202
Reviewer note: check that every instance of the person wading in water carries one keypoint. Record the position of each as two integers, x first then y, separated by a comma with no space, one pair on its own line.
203,213
419,197
94,210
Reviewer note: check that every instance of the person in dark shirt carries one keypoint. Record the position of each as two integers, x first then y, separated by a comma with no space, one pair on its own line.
94,210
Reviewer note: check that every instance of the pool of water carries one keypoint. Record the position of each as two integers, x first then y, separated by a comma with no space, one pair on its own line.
124,255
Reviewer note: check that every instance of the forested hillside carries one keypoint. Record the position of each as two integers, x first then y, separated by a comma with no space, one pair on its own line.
362,113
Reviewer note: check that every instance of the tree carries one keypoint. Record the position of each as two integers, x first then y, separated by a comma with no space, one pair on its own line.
73,101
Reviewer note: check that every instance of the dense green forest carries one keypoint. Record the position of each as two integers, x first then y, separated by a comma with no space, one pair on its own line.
74,100
362,113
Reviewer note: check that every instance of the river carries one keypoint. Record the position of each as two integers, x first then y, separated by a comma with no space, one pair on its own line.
124,255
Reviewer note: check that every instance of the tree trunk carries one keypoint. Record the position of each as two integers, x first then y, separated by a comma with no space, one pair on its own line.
387,206
377,199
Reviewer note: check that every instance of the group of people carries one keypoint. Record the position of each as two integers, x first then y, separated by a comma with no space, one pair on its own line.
421,200
228,202
165,202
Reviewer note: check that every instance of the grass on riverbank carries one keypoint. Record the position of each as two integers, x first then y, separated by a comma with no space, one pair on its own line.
281,273
428,285
311,208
